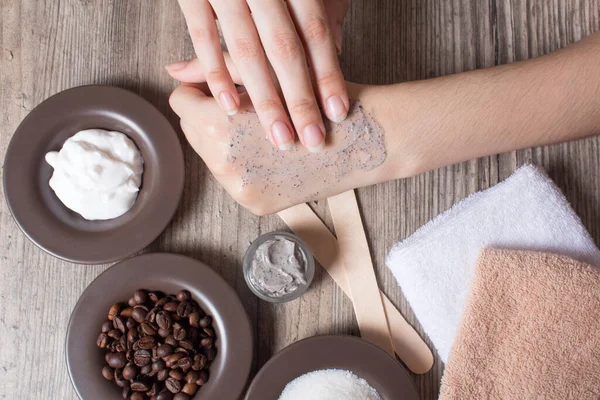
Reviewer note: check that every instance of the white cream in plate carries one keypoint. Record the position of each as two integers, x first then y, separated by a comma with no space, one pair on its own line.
97,173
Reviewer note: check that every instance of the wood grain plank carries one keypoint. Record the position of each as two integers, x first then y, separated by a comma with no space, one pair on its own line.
47,46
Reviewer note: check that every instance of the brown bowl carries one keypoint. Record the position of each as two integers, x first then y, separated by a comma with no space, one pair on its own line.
41,215
168,273
383,372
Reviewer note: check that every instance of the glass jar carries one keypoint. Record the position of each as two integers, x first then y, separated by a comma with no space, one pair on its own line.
309,267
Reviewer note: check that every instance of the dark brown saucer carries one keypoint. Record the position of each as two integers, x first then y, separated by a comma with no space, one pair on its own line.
366,360
168,273
64,233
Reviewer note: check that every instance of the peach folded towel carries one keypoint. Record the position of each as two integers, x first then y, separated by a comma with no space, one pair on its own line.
530,330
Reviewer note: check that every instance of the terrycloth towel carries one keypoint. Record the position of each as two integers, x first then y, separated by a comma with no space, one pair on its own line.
435,265
530,330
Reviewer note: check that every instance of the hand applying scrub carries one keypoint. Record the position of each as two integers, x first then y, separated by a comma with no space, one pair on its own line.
298,38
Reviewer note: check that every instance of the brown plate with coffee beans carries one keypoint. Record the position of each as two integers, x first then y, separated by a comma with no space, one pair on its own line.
159,326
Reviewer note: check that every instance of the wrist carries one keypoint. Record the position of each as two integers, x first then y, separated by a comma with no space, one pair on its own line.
390,109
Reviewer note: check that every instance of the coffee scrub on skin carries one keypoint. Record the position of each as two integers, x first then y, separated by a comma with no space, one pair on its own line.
356,144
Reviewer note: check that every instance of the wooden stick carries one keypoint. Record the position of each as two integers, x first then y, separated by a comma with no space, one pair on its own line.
354,251
407,343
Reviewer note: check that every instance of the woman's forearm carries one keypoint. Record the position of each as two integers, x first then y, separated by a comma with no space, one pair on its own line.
443,121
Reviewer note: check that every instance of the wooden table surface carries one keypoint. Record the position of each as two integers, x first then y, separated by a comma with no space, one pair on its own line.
50,45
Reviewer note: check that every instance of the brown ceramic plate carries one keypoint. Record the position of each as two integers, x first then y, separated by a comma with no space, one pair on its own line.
64,233
168,273
366,360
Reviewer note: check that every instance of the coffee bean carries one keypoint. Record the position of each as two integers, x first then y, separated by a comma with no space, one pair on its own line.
114,334
126,313
163,320
171,306
185,309
139,314
130,372
202,378
182,350
177,374
123,342
153,296
163,375
106,326
170,340
179,332
126,392
154,390
176,318
140,296
211,353
193,335
184,295
141,385
114,311
151,316
120,323
146,369
164,300
164,332
148,329
141,358
103,341
131,302
194,319
130,323
190,389
205,321
116,360
173,359
173,385
165,395
108,373
158,365
199,362
164,350
137,396
191,376
185,363
119,379
132,335
146,343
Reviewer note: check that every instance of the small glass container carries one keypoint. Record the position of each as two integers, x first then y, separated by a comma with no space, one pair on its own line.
309,262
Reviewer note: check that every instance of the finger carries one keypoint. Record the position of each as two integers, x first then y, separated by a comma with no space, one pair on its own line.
205,38
336,11
191,70
247,53
312,24
286,54
188,101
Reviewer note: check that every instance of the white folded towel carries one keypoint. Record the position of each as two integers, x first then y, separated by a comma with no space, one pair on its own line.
434,266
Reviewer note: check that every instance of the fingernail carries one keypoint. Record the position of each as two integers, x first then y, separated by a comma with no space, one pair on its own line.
336,109
176,66
228,103
282,135
314,139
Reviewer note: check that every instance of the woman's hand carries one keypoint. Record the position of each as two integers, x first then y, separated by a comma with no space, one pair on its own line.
286,34
266,180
